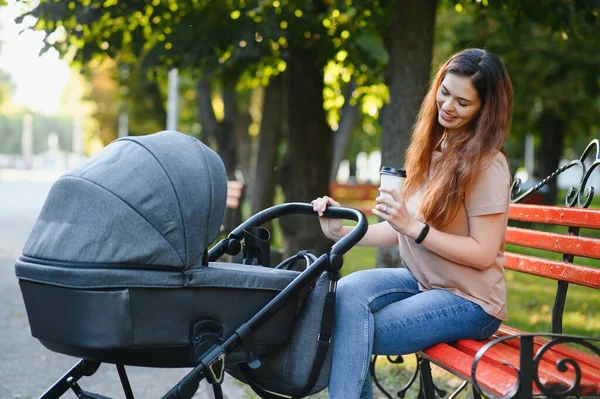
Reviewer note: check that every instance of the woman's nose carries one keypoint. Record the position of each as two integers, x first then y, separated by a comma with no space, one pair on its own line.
448,106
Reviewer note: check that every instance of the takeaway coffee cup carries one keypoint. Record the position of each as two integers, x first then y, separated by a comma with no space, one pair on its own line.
392,178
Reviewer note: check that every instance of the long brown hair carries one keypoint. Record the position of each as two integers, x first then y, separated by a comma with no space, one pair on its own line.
466,153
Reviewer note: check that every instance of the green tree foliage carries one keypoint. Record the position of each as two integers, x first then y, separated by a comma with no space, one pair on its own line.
251,39
227,39
104,93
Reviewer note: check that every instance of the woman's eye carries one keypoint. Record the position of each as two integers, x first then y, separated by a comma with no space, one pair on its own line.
444,92
461,104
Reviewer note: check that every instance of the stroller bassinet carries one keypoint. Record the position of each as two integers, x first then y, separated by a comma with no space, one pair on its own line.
117,268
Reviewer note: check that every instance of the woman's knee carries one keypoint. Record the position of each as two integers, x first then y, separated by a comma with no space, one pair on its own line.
489,329
352,285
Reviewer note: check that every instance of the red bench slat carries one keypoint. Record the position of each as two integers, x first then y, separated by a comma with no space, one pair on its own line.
495,356
361,206
590,384
235,185
577,274
549,376
561,351
458,357
561,243
358,196
235,190
586,218
491,379
354,191
232,202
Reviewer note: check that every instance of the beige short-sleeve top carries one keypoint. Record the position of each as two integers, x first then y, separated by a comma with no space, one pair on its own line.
489,195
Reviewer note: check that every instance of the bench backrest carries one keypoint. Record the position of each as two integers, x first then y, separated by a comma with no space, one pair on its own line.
570,245
235,192
358,196
575,216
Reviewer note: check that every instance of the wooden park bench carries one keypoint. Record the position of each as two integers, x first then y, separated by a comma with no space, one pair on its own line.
515,363
490,364
357,196
233,215
235,193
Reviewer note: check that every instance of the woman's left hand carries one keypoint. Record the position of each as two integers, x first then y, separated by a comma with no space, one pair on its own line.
395,213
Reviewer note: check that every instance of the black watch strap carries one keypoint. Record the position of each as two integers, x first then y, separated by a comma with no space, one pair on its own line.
422,234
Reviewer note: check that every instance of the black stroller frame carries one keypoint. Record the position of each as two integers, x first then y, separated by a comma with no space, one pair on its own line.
211,362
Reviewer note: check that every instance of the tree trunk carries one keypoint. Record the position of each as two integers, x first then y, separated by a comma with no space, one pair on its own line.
158,102
304,173
341,137
222,133
226,134
409,42
206,113
244,142
263,187
228,139
550,150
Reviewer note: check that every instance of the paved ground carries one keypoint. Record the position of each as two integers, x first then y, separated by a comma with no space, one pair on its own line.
26,367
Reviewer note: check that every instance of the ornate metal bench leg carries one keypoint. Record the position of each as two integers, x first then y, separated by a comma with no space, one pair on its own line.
526,367
427,389
458,390
402,392
397,360
476,395
375,380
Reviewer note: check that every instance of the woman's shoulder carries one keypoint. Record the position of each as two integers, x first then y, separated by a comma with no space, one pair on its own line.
496,165
491,186
497,156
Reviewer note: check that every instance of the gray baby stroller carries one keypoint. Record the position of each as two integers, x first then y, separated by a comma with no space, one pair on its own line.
120,251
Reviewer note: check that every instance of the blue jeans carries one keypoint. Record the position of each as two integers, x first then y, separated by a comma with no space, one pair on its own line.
382,312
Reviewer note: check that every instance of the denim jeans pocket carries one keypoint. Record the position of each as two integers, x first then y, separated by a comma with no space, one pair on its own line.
490,328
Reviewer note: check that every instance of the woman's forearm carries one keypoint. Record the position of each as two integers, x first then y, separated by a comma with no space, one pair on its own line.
464,250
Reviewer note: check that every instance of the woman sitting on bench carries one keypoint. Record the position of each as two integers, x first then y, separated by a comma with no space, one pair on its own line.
449,223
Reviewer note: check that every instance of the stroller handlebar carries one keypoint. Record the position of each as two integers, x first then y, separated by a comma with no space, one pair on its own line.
357,233
294,208
189,385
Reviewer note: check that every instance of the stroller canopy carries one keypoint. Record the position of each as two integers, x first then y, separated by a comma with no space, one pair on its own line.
156,201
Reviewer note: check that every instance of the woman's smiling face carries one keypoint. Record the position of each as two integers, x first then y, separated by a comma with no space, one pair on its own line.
458,103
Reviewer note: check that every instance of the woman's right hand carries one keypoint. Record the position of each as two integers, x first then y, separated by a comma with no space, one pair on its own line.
332,228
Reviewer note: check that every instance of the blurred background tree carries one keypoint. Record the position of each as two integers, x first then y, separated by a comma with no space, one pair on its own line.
5,87
5,82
